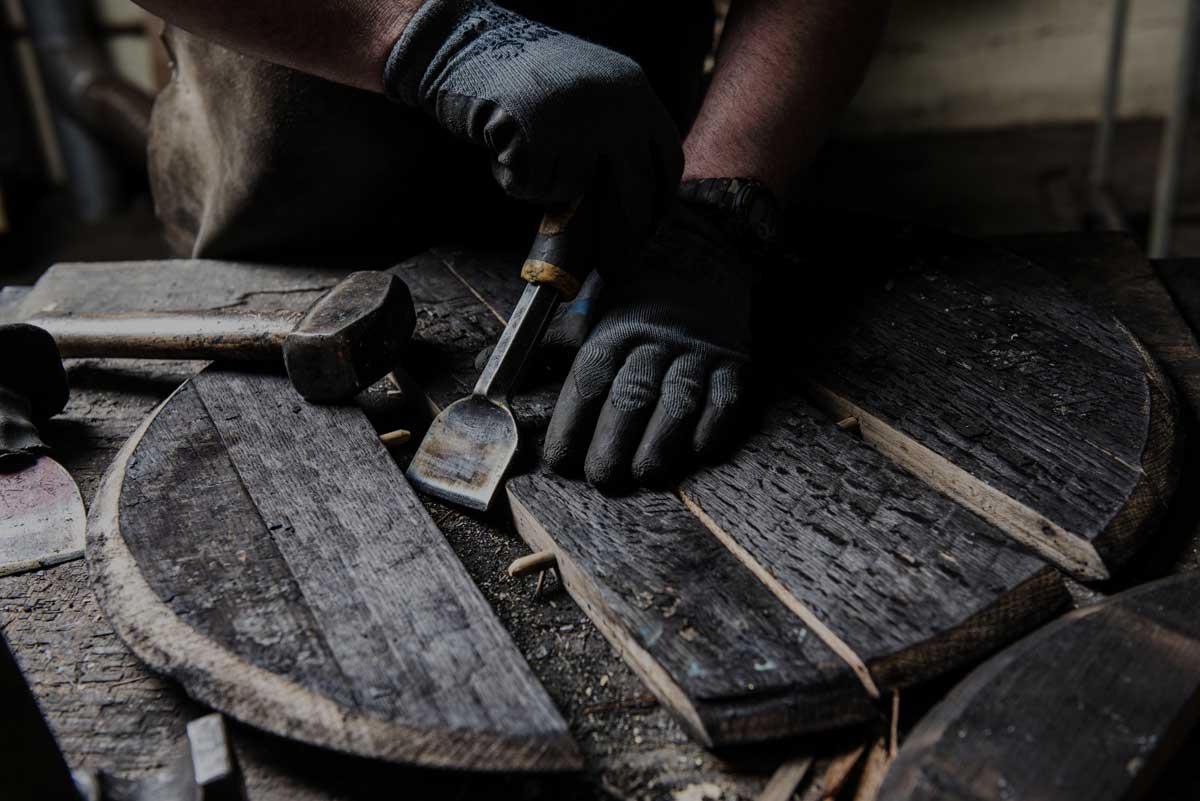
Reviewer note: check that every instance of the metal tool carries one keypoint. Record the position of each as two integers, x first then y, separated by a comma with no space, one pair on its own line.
350,338
42,519
471,444
34,768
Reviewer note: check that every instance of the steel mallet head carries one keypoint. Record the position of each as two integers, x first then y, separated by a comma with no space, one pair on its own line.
350,338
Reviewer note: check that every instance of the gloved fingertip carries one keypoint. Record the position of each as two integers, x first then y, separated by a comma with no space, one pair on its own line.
606,475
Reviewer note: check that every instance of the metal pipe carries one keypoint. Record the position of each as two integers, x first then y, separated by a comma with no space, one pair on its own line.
1166,187
97,113
1098,177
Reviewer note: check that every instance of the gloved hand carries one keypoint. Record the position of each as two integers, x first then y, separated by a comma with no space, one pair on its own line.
662,376
560,116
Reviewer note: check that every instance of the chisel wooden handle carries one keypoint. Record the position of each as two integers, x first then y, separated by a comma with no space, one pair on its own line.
561,252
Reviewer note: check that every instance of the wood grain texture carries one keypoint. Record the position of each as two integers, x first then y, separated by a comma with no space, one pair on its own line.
984,375
706,637
950,588
173,284
1088,707
911,582
109,711
307,591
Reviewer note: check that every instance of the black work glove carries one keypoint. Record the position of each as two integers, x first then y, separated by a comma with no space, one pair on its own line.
662,375
560,116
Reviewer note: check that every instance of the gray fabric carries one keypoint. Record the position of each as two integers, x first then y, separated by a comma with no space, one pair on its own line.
560,116
662,375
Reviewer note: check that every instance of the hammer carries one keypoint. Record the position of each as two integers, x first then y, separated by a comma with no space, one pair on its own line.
348,339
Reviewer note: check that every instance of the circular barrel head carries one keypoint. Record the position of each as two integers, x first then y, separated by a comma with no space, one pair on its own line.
31,367
351,337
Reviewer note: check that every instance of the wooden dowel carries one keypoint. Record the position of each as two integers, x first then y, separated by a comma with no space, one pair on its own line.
394,439
849,424
534,562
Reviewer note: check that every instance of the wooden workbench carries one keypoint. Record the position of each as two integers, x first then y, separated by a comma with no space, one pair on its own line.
110,713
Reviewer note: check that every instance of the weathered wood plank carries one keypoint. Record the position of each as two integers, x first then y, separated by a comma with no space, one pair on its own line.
418,668
912,583
1088,707
949,589
110,712
173,284
706,637
980,373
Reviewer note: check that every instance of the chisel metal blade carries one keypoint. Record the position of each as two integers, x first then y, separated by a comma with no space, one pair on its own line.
471,444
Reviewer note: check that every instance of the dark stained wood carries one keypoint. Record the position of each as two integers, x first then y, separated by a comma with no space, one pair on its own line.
1088,707
708,639
712,643
892,569
269,555
912,583
1109,271
984,375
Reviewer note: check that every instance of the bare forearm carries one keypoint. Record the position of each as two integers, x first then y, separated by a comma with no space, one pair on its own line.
342,40
785,70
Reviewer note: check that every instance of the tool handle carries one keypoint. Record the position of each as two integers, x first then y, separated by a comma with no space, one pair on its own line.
561,252
242,334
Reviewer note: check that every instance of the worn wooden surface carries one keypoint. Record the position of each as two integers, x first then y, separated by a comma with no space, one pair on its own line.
817,506
695,624
706,636
909,581
268,554
1090,706
984,375
111,712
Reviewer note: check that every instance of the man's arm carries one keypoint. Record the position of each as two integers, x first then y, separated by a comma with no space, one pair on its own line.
347,41
662,377
785,70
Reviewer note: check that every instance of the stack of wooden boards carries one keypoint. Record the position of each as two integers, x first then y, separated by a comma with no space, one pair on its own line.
270,556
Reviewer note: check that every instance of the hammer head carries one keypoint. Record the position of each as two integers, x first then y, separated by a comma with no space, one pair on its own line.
350,338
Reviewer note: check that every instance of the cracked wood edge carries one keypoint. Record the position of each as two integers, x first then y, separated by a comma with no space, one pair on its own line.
258,696
1088,560
647,668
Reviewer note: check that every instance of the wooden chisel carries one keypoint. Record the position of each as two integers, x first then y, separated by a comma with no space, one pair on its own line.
471,444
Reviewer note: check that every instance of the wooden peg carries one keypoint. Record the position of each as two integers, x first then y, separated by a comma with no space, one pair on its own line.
850,424
394,439
534,562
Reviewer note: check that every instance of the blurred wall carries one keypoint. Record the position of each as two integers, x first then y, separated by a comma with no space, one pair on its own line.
989,63
944,63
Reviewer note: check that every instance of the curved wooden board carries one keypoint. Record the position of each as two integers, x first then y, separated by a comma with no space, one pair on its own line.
980,372
268,555
1090,706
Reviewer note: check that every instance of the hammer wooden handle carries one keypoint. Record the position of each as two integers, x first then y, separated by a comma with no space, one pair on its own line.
242,334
